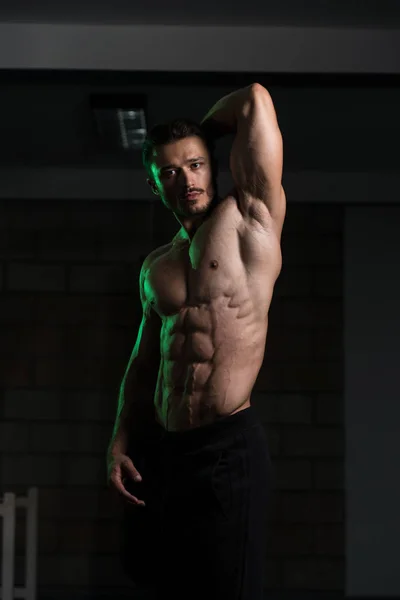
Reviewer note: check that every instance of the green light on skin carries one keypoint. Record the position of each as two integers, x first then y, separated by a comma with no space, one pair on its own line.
156,176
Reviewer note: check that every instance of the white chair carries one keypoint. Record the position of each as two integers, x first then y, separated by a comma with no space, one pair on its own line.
8,511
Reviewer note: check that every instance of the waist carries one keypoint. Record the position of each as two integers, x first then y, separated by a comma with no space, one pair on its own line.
219,430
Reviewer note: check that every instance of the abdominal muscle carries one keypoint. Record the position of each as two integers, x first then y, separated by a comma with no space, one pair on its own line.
209,363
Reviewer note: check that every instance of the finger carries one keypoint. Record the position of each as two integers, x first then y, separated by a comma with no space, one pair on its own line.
130,469
123,491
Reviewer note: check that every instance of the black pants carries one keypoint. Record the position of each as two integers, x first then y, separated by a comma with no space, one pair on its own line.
202,533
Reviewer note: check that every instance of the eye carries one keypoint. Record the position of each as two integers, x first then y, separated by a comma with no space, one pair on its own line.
198,165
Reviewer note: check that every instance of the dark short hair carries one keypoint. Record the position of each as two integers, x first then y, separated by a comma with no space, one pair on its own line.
171,131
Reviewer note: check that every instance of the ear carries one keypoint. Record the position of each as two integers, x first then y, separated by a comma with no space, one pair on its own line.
153,186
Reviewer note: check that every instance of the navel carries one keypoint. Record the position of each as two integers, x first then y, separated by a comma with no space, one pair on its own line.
214,264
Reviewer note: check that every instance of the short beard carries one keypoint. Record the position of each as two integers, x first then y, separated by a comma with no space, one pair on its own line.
195,210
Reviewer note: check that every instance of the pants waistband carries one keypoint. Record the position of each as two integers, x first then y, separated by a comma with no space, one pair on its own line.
224,427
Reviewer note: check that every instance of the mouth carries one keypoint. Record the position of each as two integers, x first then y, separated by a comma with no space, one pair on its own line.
191,195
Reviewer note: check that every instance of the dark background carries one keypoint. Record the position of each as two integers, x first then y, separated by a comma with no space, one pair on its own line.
70,312
69,304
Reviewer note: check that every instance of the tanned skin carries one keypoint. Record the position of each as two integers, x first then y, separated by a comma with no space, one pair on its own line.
206,294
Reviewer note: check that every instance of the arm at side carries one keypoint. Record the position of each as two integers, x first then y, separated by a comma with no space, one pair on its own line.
135,411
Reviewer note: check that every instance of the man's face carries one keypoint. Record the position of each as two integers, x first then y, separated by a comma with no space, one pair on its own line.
182,176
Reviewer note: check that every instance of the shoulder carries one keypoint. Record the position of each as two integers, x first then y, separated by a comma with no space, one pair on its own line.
154,254
149,261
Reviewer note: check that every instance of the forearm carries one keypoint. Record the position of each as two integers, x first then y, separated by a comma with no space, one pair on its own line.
222,118
119,439
135,410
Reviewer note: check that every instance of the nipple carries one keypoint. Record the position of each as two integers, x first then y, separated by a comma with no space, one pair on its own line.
214,264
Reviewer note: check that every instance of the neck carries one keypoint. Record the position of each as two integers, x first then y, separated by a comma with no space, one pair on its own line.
189,227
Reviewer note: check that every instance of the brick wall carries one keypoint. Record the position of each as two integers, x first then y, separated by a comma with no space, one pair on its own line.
69,313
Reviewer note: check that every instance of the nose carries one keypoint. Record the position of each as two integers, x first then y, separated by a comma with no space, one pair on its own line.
186,177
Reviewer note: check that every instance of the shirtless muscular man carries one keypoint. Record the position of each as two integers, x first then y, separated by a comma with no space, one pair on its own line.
187,452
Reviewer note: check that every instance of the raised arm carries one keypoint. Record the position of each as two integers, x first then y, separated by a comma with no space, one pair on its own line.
256,159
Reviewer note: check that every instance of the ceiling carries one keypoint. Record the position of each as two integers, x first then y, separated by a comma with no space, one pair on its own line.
329,13
327,125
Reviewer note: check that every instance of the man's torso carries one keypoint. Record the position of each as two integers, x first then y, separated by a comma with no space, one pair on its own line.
212,295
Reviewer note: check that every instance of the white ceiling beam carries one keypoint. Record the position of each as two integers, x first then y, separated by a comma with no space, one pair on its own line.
199,49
